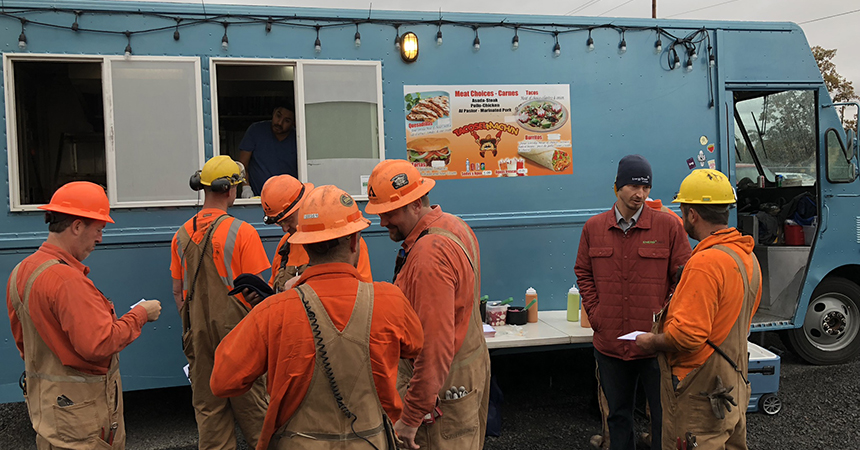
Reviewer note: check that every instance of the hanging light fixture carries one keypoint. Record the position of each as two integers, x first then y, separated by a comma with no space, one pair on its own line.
658,46
357,36
75,26
439,34
176,31
409,47
22,38
556,49
225,43
515,42
317,43
622,46
128,45
397,37
476,44
589,44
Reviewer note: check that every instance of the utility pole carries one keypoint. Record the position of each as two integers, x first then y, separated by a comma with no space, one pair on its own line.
653,9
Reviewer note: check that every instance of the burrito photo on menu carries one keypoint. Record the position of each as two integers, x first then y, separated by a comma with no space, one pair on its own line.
551,158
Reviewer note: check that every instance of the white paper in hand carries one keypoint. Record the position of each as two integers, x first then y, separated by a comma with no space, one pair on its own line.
139,302
631,336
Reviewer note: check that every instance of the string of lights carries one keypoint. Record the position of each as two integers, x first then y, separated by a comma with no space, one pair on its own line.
174,21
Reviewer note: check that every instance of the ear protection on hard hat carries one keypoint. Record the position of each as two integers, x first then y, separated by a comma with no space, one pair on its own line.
222,184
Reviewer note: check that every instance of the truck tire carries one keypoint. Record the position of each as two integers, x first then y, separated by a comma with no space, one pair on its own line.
831,329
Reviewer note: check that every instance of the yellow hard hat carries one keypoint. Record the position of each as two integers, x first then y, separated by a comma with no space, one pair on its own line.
327,213
706,187
222,166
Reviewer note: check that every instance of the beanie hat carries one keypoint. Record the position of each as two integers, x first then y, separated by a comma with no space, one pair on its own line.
633,169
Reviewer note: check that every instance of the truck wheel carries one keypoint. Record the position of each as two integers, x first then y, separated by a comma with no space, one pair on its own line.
831,329
770,404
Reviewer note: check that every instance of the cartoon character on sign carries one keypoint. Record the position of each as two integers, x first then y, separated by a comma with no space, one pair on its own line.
489,143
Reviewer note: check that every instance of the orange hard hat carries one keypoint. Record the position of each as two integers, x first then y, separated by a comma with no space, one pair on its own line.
395,183
81,199
327,213
281,196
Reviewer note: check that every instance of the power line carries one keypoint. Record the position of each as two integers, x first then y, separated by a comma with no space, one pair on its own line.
829,17
699,9
613,9
581,7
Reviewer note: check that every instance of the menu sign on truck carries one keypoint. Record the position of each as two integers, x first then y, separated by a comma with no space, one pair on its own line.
488,131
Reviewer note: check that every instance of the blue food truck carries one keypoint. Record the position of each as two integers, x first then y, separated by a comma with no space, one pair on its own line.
522,120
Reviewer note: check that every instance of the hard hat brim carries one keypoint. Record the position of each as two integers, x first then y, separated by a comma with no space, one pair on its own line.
77,212
312,237
425,187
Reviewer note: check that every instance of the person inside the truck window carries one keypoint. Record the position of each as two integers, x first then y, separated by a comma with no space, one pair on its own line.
626,269
701,337
269,148
67,332
207,252
439,271
364,330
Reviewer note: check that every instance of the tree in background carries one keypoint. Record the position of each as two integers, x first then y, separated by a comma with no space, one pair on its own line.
841,90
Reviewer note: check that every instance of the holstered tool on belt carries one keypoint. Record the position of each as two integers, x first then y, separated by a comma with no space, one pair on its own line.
431,417
720,399
688,443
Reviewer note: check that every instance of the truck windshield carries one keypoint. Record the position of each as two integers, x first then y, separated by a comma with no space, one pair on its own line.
775,135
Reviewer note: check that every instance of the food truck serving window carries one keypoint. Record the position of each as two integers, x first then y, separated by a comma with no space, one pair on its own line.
133,126
334,109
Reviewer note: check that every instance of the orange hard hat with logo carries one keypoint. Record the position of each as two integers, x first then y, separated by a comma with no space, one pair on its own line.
395,183
327,213
281,196
81,199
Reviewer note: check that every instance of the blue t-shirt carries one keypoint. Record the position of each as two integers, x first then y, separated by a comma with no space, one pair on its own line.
269,156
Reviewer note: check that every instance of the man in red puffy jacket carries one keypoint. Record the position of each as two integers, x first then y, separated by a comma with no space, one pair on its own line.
626,268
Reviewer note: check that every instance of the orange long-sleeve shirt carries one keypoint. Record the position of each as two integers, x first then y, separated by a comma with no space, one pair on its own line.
708,299
299,257
439,282
276,338
75,320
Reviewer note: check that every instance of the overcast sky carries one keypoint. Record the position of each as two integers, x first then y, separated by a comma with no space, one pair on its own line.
841,32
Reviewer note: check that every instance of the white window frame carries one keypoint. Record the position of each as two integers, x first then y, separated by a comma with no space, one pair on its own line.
107,99
299,95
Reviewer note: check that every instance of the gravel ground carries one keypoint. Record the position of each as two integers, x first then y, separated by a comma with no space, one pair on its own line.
549,404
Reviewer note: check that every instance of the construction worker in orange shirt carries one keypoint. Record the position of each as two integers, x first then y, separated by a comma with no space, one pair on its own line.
67,331
701,336
439,271
206,253
330,346
281,197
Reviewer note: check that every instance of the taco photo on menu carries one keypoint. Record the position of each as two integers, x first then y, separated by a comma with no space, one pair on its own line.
428,150
550,157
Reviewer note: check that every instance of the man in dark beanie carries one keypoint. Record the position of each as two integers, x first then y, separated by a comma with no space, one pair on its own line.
626,268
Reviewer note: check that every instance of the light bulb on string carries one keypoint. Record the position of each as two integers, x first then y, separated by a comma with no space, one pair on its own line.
357,37
317,43
556,49
622,46
176,31
127,53
515,42
476,44
397,37
75,25
269,26
693,55
712,61
589,44
689,64
22,38
439,35
225,43
658,46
